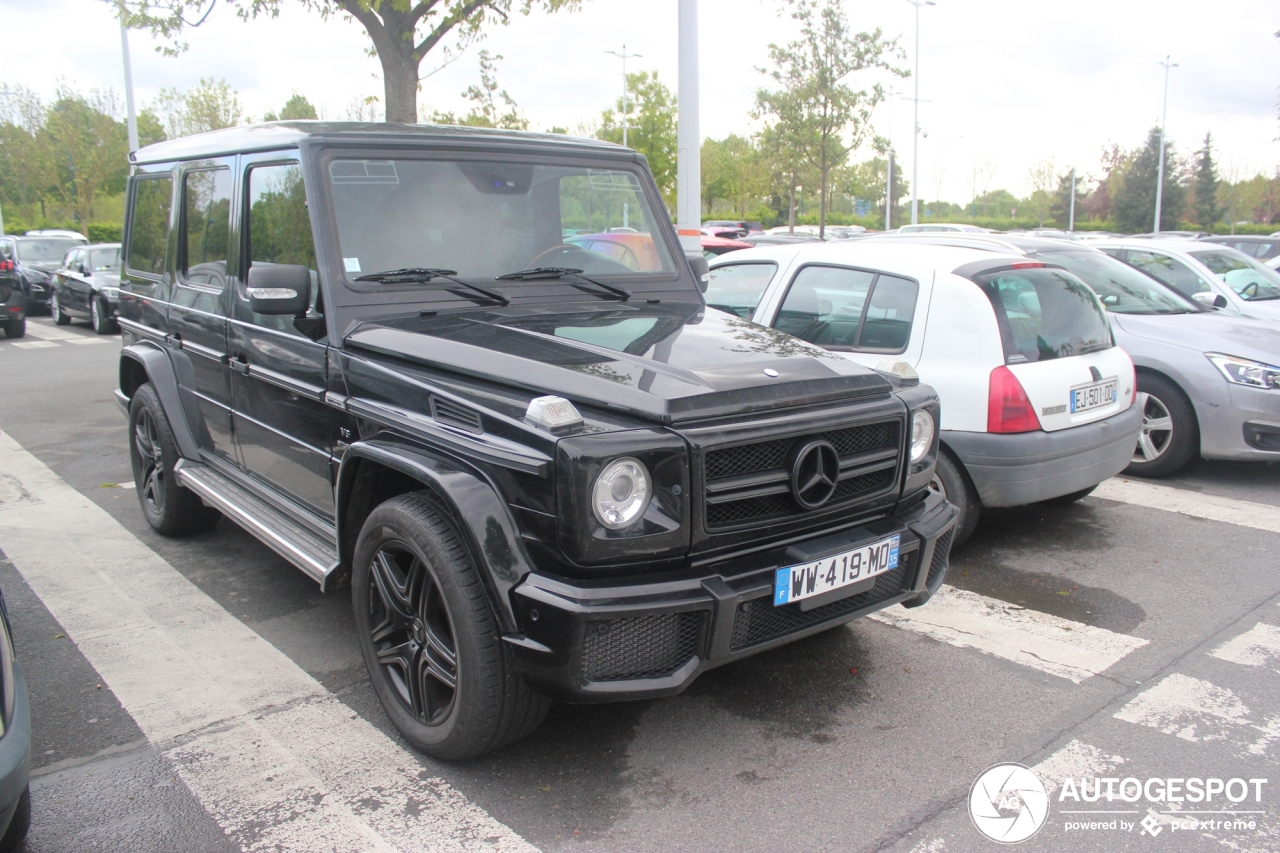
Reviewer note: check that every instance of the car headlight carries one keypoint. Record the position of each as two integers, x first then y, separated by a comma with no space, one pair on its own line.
620,493
1242,371
922,430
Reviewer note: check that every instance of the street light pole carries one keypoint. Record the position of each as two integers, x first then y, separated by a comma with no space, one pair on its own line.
888,190
1164,116
915,118
128,86
626,107
688,140
1071,217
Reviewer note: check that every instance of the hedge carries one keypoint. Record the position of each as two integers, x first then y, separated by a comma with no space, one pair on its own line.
105,232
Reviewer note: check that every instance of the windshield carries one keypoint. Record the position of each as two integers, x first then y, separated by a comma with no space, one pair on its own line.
484,219
1121,288
104,260
1045,314
1250,280
45,248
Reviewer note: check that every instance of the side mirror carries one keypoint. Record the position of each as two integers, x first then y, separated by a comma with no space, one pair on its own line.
701,270
279,289
1210,299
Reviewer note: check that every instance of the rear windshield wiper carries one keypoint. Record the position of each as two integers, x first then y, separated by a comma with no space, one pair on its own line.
424,275
560,272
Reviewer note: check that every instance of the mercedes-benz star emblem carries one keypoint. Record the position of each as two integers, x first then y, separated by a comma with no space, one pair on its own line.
815,470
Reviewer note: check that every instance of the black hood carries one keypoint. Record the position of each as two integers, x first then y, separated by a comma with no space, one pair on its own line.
668,362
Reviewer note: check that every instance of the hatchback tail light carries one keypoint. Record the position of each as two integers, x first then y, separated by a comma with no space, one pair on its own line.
1008,407
1134,398
6,266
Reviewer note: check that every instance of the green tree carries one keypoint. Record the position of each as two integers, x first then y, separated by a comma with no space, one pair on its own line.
24,165
403,32
866,180
211,105
733,171
492,106
1205,186
825,116
1060,205
296,108
1134,205
87,150
651,129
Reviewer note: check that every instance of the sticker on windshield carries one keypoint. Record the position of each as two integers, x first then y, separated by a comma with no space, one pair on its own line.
353,264
363,172
612,181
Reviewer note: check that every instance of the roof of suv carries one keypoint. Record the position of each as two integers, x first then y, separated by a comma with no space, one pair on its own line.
289,134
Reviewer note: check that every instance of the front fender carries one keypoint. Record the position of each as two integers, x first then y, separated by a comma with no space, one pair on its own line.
474,502
159,369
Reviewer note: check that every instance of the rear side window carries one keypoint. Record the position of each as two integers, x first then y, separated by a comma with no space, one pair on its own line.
1168,270
1249,279
149,232
1045,314
206,221
738,288
847,309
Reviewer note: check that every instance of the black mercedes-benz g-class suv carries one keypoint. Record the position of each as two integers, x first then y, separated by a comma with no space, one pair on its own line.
546,470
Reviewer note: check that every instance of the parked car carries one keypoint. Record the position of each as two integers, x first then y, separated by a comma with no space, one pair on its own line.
634,250
765,239
1036,396
724,232
940,226
746,226
1213,275
13,300
1202,385
1262,248
87,286
15,743
35,258
713,247
544,473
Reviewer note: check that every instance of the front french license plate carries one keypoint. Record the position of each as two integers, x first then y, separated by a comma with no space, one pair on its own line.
796,583
1092,396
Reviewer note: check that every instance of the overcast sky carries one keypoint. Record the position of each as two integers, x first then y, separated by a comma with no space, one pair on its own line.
1003,83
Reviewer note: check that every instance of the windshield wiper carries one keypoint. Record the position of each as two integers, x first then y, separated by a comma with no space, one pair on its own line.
424,275
560,272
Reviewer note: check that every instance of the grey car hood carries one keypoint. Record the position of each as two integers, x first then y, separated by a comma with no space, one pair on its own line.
1231,334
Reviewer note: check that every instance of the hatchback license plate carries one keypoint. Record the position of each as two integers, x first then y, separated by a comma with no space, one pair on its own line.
1093,395
796,583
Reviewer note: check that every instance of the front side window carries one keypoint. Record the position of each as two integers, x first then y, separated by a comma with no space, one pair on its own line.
1121,288
1168,270
847,309
738,288
1250,280
279,229
149,231
206,222
1045,314
484,219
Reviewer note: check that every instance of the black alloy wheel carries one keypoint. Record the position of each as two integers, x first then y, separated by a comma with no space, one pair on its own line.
412,633
100,316
59,316
170,509
146,442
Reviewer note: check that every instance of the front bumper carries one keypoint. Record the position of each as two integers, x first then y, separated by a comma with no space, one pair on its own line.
39,294
594,643
1247,429
15,752
1026,467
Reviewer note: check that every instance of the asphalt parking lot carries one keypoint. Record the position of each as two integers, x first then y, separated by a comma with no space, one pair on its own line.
1129,635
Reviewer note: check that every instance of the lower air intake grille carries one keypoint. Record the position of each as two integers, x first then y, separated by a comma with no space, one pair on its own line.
640,647
758,621
939,561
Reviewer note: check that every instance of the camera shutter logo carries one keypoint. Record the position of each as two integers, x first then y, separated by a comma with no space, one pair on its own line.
1008,803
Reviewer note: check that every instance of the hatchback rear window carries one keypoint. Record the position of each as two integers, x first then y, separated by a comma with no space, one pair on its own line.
1045,314
737,288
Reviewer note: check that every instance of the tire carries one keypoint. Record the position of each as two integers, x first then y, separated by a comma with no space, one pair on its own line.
170,509
59,316
100,316
1063,500
952,482
19,825
416,592
1170,435
16,327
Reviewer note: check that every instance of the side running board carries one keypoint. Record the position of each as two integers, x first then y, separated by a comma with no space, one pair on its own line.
314,553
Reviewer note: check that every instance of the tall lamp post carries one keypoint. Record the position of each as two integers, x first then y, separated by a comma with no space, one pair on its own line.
915,117
688,139
626,107
1164,115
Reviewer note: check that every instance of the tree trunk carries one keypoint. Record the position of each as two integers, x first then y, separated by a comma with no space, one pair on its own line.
400,78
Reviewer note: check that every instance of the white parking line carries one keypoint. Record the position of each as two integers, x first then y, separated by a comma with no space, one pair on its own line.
34,344
1258,646
1061,647
1195,504
276,760
48,333
1196,710
87,340
1076,760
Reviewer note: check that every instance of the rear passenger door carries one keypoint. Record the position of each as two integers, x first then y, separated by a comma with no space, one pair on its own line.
278,376
197,312
868,314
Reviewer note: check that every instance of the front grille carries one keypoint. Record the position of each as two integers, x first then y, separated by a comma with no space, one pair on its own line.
748,483
939,561
640,646
758,621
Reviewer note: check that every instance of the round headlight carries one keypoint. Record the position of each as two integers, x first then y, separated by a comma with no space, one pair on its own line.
620,493
921,434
